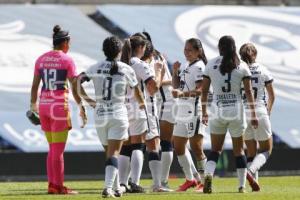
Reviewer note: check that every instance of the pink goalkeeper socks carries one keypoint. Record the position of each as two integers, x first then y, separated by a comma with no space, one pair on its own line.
57,157
49,165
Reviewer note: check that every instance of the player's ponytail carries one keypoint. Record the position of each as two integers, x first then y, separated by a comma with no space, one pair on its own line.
248,53
130,47
230,59
197,45
126,52
149,51
112,47
59,36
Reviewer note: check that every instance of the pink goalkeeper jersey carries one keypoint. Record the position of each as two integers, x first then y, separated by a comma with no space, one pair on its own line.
54,67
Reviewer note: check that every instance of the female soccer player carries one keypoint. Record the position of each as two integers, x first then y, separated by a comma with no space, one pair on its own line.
165,104
261,79
153,145
133,51
226,74
54,68
111,79
188,85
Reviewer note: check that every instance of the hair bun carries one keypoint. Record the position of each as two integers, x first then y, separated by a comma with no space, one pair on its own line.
56,29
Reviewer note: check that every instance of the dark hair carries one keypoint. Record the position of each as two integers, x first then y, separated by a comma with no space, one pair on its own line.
59,36
130,46
197,45
149,51
230,59
111,47
248,53
146,36
142,35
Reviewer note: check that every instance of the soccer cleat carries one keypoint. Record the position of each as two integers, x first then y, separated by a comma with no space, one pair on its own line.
65,190
108,193
53,189
207,187
137,188
242,190
199,187
125,188
165,184
252,182
161,189
186,185
118,193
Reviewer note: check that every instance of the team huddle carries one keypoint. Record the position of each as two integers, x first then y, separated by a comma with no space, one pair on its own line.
140,106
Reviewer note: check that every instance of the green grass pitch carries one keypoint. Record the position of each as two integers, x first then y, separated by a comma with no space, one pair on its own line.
273,188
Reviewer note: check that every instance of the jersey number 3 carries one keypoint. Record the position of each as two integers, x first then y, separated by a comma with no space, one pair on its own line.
227,88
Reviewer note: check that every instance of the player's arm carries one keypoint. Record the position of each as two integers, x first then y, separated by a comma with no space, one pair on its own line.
175,75
159,73
204,99
250,100
166,82
81,79
139,97
75,88
271,95
34,92
192,93
153,84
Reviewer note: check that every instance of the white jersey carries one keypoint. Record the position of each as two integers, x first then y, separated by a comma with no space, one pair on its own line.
110,90
227,87
189,75
259,79
165,91
143,74
151,101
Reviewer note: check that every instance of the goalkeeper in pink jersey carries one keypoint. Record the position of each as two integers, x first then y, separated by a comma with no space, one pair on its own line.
54,68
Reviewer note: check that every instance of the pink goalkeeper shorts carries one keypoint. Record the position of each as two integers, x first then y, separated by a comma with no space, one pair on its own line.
54,117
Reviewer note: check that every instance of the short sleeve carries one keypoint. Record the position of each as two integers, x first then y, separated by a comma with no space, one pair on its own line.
246,71
206,72
131,77
143,71
198,72
71,69
268,78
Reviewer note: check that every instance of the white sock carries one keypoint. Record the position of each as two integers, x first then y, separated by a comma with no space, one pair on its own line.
201,167
256,173
259,160
155,168
186,166
166,161
210,167
124,168
242,173
110,176
116,185
137,159
193,168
